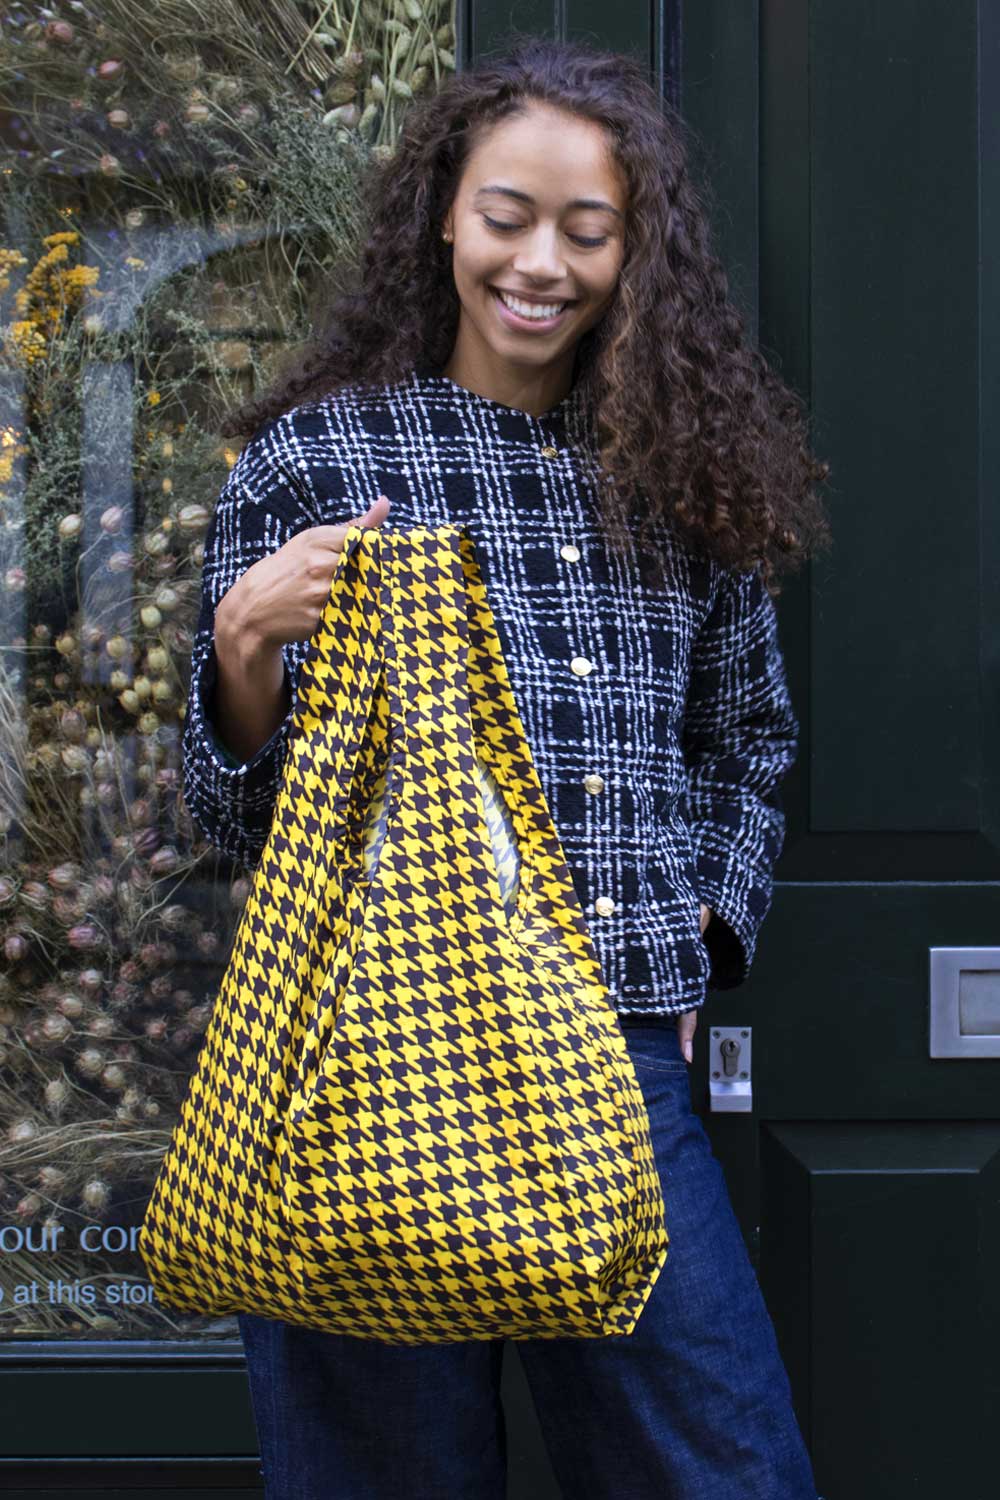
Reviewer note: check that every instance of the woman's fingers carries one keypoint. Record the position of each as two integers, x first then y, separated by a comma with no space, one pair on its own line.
686,1023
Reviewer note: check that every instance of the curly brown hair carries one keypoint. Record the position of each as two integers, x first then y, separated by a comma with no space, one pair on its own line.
689,425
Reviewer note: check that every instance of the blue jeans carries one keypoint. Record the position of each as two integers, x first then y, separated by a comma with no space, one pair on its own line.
695,1404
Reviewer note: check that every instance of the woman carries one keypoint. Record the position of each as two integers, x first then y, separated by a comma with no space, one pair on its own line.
540,346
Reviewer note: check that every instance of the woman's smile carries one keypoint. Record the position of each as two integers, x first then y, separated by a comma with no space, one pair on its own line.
524,321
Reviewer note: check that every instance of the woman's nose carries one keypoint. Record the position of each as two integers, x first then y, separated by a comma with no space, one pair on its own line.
540,255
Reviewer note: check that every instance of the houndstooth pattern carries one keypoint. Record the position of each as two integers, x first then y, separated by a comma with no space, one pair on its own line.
686,714
414,1117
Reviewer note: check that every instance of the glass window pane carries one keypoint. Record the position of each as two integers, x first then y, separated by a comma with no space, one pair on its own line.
174,211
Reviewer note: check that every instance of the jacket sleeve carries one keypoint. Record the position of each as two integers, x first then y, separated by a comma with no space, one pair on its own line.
740,738
258,510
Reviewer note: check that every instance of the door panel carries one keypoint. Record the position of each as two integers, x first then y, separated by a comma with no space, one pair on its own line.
878,1186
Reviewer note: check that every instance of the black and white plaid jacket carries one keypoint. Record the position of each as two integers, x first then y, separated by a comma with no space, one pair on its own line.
659,720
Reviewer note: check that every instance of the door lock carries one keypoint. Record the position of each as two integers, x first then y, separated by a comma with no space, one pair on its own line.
730,1088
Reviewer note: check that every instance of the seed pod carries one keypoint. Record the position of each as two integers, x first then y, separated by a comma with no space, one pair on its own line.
84,936
90,1061
155,543
167,598
56,1028
192,518
340,92
56,1094
15,947
75,759
345,115
164,861
96,1195
117,647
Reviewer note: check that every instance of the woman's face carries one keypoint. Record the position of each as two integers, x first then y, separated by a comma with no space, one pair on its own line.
540,215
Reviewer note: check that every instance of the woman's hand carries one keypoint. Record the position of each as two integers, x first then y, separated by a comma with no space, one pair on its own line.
688,1019
281,597
278,599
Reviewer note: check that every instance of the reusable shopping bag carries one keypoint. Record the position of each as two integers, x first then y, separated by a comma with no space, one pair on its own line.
413,1117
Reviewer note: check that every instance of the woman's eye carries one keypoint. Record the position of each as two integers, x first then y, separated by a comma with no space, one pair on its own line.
504,225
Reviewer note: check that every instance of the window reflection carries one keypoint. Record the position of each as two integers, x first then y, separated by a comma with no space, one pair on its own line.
171,212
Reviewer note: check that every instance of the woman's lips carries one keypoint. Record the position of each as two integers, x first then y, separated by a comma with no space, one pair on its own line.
536,325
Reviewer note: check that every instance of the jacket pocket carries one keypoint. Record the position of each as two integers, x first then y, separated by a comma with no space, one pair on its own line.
669,892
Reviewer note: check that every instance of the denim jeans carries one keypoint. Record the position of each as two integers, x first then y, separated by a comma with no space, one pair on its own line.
695,1404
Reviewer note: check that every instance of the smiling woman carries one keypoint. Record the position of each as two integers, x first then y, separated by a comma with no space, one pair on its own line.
540,348
534,282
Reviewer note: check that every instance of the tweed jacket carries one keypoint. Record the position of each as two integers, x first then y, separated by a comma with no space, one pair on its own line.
659,720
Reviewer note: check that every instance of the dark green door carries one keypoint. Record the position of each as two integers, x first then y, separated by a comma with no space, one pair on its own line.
855,151
852,153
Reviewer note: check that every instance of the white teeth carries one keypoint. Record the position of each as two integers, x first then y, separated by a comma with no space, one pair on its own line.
531,309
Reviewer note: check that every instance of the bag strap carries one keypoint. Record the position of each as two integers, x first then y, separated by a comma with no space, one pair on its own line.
548,890
425,647
336,688
337,684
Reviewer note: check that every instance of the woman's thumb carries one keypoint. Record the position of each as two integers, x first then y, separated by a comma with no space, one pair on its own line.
376,512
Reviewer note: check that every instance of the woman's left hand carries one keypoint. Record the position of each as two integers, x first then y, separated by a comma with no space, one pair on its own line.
688,1019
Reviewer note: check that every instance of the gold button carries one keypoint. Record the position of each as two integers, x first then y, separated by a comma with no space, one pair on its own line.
593,782
550,452
581,666
569,552
604,906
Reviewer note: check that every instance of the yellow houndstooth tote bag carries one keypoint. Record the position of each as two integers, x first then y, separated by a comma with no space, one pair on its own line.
413,1117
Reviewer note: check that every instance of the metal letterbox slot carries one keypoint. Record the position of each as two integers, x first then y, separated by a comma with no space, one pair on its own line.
965,1002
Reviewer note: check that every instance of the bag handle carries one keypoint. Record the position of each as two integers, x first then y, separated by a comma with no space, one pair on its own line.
327,730
337,681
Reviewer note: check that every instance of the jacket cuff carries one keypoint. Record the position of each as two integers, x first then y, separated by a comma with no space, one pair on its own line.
738,898
204,731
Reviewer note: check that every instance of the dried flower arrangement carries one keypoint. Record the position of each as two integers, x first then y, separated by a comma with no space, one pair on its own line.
180,186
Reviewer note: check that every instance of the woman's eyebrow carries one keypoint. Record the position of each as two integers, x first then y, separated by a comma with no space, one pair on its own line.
509,192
